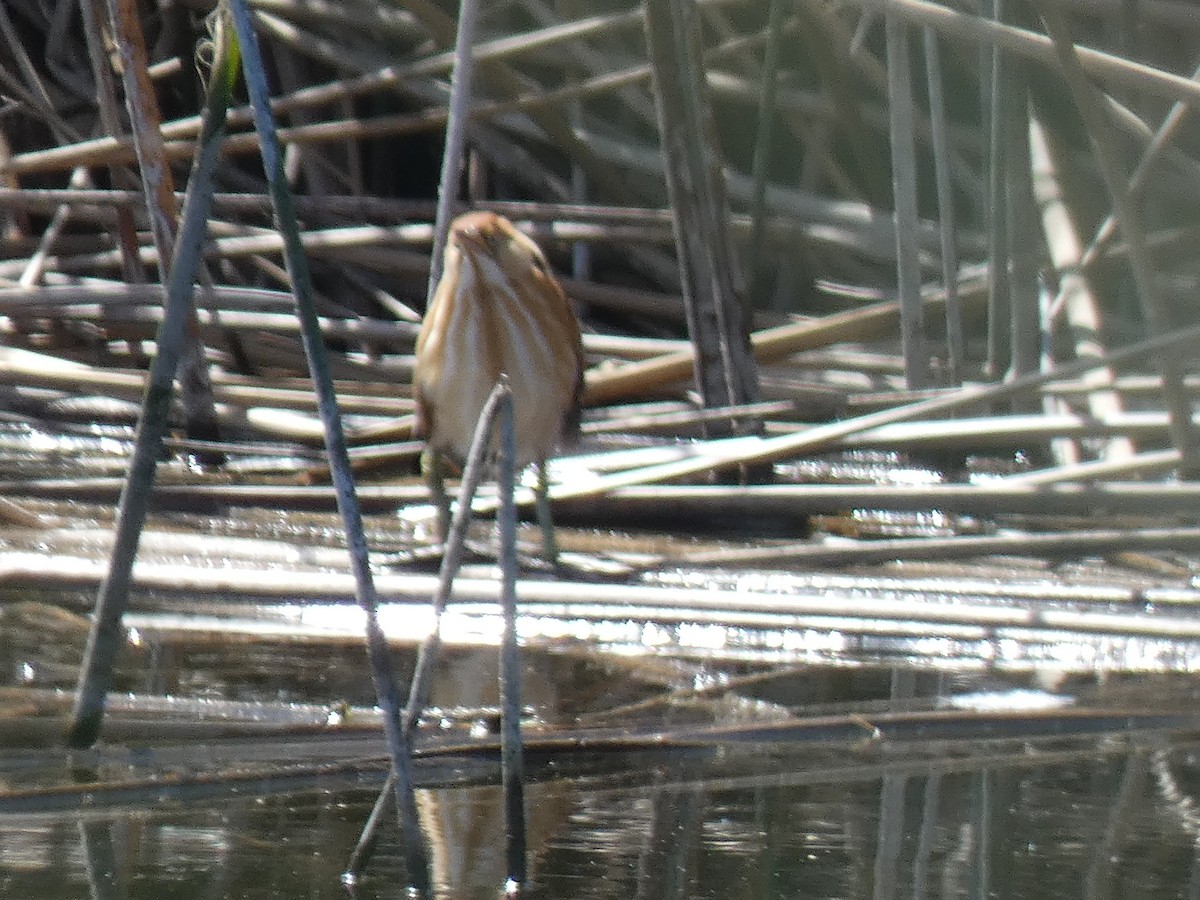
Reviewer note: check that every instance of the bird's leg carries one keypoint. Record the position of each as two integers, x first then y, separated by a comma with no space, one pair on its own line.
542,504
431,468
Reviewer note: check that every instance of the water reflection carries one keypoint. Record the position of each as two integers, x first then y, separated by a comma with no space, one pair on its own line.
1097,817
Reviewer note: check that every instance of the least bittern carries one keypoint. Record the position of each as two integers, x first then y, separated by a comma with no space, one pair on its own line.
497,310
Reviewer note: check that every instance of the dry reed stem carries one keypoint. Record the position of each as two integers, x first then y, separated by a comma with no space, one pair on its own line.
1105,66
824,223
1075,299
1184,434
606,385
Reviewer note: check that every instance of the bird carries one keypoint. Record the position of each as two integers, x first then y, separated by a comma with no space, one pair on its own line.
497,310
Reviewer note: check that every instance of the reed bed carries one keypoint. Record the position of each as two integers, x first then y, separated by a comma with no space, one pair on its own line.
888,324
923,229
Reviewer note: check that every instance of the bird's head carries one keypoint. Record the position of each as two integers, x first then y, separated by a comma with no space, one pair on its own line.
495,248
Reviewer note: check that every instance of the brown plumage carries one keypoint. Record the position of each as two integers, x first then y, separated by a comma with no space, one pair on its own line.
497,310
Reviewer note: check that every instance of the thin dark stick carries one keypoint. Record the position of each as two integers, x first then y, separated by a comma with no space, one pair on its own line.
456,137
343,478
452,555
369,836
512,764
456,541
106,636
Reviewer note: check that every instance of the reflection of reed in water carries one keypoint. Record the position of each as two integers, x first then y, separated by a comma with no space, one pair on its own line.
465,825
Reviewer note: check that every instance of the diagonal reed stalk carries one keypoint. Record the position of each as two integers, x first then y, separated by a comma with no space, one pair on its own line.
497,409
1089,102
106,637
343,478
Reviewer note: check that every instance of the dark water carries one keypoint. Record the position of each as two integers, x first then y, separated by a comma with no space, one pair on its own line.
859,781
1106,826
